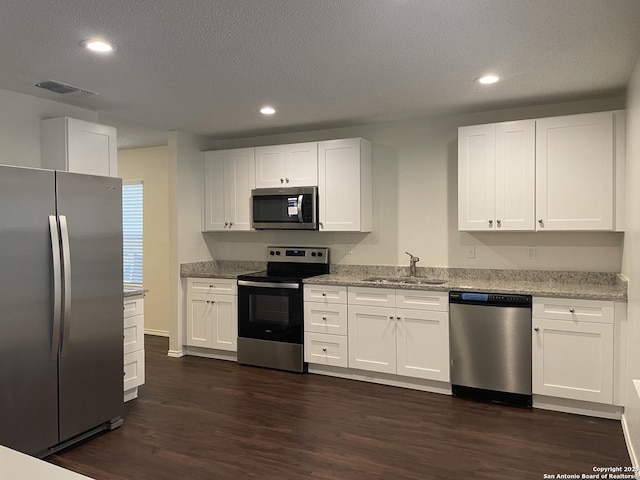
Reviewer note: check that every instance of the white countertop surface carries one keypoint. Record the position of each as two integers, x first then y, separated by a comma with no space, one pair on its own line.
16,465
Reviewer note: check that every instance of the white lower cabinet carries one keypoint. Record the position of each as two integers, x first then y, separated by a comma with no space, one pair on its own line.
573,349
325,325
134,370
383,337
212,317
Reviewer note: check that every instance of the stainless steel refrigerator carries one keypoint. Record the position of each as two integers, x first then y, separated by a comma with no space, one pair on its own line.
61,319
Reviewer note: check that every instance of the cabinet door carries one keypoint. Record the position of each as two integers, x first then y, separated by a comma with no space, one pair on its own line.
339,185
372,338
573,360
302,164
270,166
240,177
574,172
515,176
199,313
423,344
92,148
224,322
216,204
476,177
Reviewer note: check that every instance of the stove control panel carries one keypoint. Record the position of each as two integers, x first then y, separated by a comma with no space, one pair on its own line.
298,254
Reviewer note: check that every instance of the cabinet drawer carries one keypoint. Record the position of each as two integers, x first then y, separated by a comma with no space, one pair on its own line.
133,333
212,285
373,297
133,369
323,318
133,306
325,293
596,311
422,300
325,349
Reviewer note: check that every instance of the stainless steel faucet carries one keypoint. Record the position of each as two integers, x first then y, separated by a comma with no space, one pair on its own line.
412,264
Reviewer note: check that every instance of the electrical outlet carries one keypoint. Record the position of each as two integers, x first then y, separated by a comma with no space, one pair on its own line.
348,248
471,251
531,252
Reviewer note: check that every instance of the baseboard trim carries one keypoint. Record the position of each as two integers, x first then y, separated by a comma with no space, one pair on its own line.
211,353
175,353
432,386
156,333
590,409
627,440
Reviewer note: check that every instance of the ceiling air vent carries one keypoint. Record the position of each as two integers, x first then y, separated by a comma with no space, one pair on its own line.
59,87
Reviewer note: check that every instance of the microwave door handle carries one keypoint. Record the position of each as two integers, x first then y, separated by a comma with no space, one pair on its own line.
300,197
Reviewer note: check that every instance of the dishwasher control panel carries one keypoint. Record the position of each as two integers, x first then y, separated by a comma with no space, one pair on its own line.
479,298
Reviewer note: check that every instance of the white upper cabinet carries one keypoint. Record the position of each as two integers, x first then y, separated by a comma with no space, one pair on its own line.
78,146
558,173
228,181
344,185
575,172
294,165
496,175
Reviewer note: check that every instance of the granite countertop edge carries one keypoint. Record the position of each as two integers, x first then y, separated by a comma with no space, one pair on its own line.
547,284
541,289
133,292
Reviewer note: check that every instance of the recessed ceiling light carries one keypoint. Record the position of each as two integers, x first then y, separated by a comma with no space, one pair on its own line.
267,110
99,46
487,79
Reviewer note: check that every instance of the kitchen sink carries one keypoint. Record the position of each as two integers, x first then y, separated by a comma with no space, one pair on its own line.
406,280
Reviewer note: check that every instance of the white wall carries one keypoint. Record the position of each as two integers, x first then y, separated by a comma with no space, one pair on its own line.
186,243
151,165
20,117
631,263
415,204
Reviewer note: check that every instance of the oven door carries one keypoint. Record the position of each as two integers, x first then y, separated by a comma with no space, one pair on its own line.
270,311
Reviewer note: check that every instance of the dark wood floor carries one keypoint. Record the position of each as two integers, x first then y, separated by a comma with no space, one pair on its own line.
198,418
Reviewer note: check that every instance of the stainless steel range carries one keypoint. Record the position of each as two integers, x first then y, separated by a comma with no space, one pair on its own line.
271,308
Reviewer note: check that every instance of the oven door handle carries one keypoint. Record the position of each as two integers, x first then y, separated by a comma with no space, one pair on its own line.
247,283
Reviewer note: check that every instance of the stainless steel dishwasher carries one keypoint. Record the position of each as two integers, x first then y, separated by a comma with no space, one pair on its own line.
490,335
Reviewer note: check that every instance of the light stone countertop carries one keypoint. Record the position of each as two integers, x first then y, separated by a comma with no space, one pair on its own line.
583,285
134,291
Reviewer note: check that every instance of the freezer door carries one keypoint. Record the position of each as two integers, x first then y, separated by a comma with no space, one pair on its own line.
91,361
28,371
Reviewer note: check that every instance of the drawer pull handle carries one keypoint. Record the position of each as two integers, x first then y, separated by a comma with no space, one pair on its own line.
324,349
572,310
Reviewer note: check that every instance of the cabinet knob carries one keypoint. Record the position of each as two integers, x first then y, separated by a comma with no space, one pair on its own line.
390,317
324,349
208,301
541,223
282,180
572,310
491,223
324,318
397,318
226,224
230,224
324,294
499,223
210,286
537,329
287,180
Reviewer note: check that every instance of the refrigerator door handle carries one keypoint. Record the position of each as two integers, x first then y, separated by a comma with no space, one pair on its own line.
66,275
57,286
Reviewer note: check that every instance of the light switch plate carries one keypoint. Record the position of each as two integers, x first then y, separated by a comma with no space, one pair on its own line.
471,251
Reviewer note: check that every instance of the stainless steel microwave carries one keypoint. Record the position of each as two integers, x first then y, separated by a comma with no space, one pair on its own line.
290,208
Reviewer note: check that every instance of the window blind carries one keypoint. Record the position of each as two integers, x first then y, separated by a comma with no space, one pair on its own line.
132,215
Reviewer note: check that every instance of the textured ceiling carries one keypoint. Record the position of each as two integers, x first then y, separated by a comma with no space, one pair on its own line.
206,66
